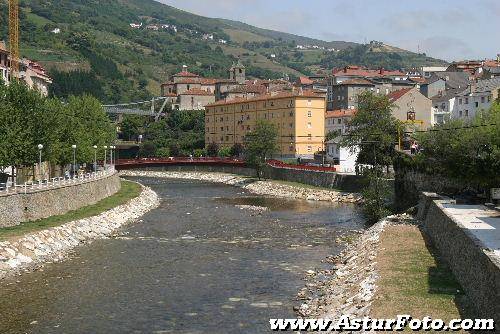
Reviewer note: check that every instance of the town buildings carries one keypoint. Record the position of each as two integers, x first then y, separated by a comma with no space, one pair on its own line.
337,121
298,116
32,73
412,108
478,96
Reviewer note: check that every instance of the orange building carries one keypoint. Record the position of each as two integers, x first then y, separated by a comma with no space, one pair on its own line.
298,116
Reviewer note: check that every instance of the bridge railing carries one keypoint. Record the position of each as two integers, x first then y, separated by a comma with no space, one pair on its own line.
176,160
53,183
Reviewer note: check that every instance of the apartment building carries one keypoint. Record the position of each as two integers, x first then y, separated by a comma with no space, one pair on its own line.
298,116
343,158
478,96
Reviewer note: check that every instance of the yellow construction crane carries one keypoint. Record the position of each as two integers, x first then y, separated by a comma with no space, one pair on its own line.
14,38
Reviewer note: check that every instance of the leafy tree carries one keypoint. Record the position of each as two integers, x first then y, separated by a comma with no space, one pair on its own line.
464,150
147,150
225,152
374,130
261,144
212,150
132,126
375,195
163,152
237,150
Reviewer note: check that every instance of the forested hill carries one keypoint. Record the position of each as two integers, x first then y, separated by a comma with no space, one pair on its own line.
90,46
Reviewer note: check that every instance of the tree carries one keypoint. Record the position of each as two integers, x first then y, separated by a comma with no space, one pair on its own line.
261,144
132,126
212,150
236,150
374,130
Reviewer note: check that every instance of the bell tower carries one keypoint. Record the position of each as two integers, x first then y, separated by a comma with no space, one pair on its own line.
237,72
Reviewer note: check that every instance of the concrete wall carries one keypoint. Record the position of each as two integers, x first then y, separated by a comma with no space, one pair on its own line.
17,208
348,183
475,267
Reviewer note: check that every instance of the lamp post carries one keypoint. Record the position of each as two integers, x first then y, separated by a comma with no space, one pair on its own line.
40,148
95,158
111,155
74,159
105,156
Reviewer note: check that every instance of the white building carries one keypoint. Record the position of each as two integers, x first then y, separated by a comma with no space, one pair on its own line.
336,121
478,96
427,71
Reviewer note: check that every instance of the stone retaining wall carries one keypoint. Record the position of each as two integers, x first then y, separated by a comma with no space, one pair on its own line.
54,243
475,267
16,208
348,183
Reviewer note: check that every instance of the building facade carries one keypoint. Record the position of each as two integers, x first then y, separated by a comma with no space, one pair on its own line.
299,118
478,96
343,158
412,108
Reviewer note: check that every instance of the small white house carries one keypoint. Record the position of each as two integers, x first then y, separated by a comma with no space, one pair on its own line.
344,159
56,31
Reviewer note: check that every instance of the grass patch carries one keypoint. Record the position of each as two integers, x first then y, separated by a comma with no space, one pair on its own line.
128,191
413,280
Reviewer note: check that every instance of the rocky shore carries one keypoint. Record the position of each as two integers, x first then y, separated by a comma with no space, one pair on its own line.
349,286
51,245
264,187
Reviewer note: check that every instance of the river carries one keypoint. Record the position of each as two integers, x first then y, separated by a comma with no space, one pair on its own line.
200,263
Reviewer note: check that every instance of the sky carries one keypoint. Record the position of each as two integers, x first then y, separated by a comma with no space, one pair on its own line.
445,29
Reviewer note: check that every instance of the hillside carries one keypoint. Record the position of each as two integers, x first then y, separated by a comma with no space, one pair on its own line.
90,46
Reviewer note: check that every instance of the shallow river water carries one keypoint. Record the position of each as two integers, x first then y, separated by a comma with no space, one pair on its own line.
200,263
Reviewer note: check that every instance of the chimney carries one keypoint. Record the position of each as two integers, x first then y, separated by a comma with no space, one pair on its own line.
382,71
184,68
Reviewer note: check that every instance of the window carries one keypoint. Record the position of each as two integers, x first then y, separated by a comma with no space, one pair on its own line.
482,99
466,113
309,113
460,101
489,98
460,113
309,137
339,121
309,148
309,125
476,104
466,100
309,102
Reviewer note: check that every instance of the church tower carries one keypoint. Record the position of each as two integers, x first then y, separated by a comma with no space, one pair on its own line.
237,73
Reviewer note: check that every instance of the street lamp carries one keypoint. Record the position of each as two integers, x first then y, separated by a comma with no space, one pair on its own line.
111,155
74,159
40,148
105,156
95,158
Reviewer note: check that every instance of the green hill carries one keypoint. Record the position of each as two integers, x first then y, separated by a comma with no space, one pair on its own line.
97,51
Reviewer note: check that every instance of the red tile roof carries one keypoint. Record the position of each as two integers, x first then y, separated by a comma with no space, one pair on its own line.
357,82
195,91
364,72
340,113
396,95
186,74
208,81
305,81
266,97
170,95
188,81
256,89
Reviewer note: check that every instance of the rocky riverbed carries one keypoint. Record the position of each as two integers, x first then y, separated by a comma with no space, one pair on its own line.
347,288
263,187
53,244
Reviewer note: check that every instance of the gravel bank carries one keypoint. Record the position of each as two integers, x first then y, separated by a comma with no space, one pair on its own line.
349,286
51,245
267,187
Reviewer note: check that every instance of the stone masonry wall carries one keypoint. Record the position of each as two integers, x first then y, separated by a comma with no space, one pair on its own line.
348,183
475,267
18,208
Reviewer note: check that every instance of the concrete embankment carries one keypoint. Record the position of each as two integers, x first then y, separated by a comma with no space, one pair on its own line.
56,199
51,245
266,188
